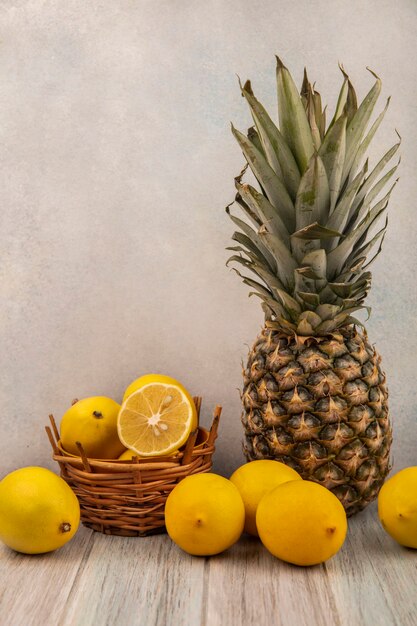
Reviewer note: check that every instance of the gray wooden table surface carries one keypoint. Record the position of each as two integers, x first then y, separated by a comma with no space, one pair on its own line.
104,580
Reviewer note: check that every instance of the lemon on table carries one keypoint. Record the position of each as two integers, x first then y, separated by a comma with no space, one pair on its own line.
254,480
301,522
156,417
39,512
92,422
204,514
397,507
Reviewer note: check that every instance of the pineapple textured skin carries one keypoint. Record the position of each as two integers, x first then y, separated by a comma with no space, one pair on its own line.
320,406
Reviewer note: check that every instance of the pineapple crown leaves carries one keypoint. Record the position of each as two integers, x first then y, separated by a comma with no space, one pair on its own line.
308,231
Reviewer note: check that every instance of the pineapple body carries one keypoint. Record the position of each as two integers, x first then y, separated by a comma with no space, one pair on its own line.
319,404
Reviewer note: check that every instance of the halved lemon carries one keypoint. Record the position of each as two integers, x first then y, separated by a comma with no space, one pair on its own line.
156,418
140,382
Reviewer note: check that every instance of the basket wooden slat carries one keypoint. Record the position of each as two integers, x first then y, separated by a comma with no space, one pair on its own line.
128,497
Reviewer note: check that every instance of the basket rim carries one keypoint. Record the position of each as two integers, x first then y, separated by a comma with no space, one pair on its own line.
142,460
182,458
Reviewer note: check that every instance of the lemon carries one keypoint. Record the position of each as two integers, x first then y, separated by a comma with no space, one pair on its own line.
153,378
156,417
301,522
254,480
92,422
204,514
39,512
127,455
397,507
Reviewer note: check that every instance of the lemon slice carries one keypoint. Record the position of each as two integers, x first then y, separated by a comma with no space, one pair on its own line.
156,419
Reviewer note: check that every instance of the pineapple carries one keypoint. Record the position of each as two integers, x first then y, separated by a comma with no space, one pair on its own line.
314,393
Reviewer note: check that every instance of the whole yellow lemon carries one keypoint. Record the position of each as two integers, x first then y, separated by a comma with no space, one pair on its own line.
301,522
92,422
39,512
254,480
204,514
397,507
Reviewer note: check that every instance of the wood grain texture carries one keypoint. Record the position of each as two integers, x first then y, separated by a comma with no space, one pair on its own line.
376,575
34,588
129,581
247,585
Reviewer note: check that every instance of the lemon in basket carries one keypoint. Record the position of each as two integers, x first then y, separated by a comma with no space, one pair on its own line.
204,514
156,417
92,422
39,512
152,378
127,455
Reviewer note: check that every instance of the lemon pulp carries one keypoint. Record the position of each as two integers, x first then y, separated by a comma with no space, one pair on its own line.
156,419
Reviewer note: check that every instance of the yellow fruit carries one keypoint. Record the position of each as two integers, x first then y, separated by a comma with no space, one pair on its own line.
93,422
397,507
127,455
39,512
152,378
156,418
301,522
204,514
254,480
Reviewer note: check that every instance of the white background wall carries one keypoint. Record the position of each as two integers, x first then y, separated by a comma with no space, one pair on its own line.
116,164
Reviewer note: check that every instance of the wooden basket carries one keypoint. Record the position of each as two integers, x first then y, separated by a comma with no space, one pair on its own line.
128,497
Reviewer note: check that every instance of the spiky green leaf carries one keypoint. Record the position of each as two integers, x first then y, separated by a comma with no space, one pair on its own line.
313,195
332,153
257,268
365,209
267,213
338,257
341,214
357,126
341,102
250,214
254,138
290,304
293,120
259,250
275,147
373,176
368,138
309,298
285,262
271,183
316,231
317,261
